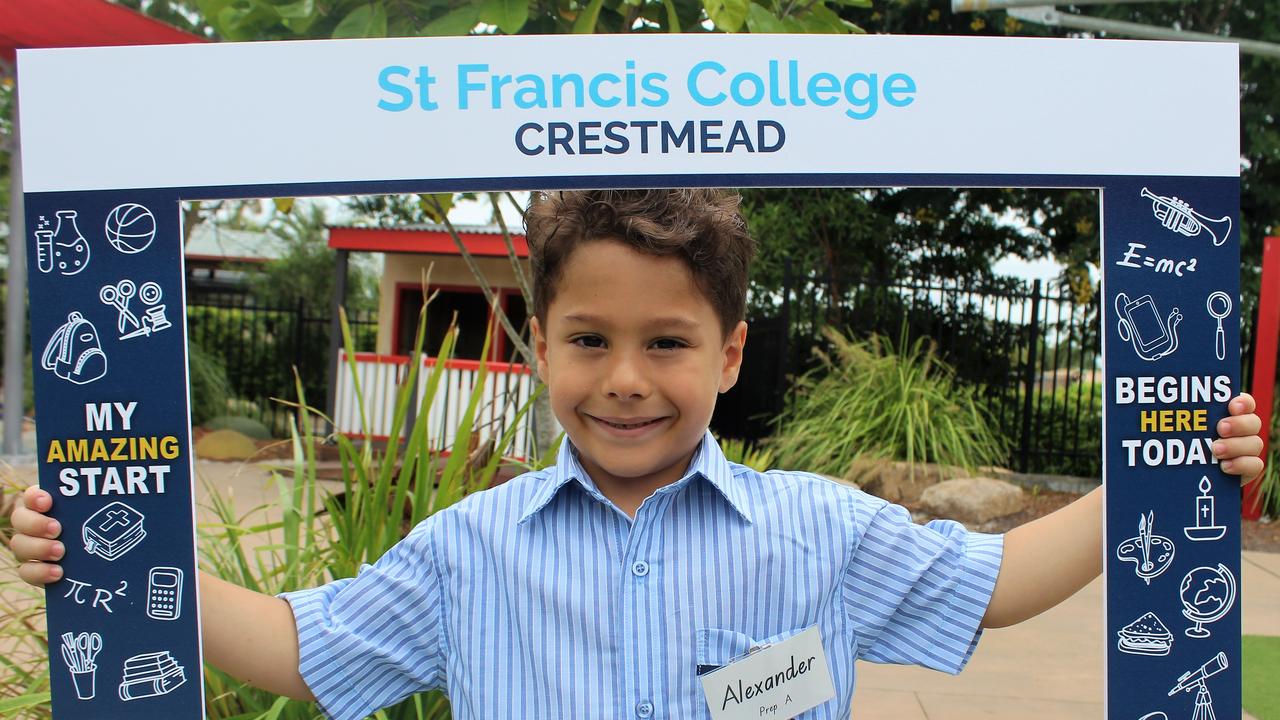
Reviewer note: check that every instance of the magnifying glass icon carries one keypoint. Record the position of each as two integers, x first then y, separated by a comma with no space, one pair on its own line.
1219,307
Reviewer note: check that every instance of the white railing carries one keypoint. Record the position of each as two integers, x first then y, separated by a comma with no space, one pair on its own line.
507,387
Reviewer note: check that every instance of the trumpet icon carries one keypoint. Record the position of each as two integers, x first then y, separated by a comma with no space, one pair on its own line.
1176,215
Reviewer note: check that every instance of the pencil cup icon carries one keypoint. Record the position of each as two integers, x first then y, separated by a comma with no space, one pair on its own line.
79,652
84,682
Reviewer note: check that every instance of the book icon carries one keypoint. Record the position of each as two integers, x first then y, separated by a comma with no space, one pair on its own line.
151,674
113,531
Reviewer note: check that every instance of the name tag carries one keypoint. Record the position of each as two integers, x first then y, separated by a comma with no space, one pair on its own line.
777,681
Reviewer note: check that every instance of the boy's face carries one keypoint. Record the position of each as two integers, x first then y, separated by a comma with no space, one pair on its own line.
633,356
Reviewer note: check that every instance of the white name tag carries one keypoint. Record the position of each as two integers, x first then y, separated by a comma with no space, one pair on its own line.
778,681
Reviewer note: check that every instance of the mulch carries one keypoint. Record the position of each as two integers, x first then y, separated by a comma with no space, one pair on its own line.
1256,535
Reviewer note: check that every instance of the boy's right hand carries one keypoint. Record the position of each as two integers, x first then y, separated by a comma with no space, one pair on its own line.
34,541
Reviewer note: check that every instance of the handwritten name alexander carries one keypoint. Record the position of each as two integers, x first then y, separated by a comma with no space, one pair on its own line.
746,691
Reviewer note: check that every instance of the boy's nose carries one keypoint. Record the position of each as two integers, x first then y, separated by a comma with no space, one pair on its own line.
626,378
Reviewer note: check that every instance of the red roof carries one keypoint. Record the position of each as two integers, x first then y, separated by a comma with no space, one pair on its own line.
79,23
428,241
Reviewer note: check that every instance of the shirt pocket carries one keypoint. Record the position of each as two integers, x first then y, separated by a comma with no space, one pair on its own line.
718,647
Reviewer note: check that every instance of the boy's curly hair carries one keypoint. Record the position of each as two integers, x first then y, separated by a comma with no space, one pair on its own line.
703,227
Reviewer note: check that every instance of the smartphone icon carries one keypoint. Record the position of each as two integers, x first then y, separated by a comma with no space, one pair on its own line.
164,593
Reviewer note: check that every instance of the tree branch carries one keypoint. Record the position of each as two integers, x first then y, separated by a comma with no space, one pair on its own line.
520,344
521,279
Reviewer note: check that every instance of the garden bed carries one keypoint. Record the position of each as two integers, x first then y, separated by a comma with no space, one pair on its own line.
1257,535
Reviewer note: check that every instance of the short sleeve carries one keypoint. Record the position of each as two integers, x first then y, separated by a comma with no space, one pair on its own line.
370,641
916,594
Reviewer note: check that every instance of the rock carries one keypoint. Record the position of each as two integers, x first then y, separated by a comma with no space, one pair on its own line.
900,482
225,445
973,500
839,480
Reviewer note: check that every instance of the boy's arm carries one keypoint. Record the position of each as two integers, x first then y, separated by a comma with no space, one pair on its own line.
251,636
246,634
1046,561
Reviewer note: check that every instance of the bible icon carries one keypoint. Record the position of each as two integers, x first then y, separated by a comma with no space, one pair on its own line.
113,531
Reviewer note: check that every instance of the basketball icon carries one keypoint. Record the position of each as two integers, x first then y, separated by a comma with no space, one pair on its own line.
130,228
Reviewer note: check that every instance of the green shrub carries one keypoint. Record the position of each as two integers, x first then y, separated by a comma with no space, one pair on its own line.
324,537
744,453
210,391
243,425
870,401
1063,419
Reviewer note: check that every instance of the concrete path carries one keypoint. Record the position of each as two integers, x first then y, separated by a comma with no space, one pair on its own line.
1048,668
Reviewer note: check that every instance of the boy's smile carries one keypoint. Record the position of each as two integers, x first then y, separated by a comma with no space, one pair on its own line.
633,355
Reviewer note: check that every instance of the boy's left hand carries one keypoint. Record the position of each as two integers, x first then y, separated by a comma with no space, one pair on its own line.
1239,447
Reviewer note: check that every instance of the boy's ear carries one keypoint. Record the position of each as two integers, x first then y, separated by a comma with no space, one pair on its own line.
539,346
733,348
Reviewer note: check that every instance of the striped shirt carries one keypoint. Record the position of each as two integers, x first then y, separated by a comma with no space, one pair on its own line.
541,599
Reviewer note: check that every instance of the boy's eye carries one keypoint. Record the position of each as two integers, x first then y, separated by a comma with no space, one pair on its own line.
669,344
588,341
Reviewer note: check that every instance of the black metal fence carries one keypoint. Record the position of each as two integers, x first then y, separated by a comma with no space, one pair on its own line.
1033,352
259,347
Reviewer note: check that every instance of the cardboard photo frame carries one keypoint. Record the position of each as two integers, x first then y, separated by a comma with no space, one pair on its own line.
104,187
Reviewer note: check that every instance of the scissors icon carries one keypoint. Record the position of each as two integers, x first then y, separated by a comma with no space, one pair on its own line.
119,296
89,645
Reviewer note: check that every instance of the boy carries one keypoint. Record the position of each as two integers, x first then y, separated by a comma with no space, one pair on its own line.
603,586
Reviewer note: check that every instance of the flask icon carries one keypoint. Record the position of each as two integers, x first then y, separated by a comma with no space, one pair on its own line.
64,248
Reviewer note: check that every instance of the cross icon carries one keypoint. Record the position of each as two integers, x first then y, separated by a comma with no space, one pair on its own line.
115,518
1205,511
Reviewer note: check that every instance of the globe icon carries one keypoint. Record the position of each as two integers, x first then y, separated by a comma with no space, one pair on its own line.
1207,594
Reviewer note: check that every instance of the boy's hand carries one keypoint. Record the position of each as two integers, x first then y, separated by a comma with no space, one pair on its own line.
1239,447
34,541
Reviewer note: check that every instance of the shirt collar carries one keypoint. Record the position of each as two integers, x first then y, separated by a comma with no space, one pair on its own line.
708,462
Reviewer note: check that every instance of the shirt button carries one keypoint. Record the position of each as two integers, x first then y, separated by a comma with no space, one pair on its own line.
644,709
640,568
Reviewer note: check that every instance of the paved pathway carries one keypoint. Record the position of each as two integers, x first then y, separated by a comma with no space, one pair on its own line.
1048,668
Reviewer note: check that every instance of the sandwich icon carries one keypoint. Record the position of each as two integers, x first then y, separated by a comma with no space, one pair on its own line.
1145,636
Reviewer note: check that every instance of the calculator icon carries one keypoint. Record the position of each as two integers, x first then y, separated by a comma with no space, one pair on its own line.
164,593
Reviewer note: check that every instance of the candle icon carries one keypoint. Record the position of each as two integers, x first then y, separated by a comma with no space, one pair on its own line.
1204,529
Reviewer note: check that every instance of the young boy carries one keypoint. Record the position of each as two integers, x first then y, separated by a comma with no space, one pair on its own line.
603,586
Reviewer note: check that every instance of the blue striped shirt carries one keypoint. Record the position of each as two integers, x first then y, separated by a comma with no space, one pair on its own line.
541,599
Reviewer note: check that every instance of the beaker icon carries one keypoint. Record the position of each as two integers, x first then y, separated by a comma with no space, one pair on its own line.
70,249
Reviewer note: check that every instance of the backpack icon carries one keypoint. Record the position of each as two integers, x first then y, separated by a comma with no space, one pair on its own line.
74,352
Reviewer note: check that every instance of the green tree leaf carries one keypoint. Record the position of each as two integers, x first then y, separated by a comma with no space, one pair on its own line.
296,10
673,19
508,15
366,21
760,20
460,21
727,15
587,19
435,205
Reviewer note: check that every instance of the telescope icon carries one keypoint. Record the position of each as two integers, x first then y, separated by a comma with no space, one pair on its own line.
1195,680
1178,216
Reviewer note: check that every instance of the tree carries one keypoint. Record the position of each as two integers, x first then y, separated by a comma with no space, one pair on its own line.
288,20
1259,108
306,270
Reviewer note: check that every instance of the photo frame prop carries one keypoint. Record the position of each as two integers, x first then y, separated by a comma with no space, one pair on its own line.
104,180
